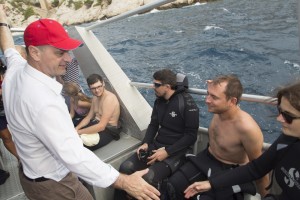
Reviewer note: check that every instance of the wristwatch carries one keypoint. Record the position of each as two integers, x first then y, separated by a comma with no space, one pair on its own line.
4,24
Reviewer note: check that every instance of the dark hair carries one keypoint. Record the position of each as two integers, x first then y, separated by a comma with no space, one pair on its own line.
291,93
234,87
93,78
166,76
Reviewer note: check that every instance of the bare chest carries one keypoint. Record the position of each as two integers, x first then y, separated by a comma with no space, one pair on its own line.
98,105
225,143
224,136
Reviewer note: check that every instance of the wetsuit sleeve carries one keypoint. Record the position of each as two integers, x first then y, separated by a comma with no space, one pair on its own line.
191,123
153,126
251,171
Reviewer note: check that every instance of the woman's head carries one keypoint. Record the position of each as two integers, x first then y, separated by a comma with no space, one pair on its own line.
292,94
71,89
289,109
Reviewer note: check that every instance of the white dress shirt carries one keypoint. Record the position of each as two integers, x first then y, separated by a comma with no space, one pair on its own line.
39,120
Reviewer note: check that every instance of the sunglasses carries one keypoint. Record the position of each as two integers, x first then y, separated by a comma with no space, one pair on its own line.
157,85
288,118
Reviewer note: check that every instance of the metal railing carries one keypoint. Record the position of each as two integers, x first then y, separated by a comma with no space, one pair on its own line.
245,97
138,10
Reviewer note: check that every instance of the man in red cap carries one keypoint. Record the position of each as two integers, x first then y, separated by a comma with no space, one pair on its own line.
51,153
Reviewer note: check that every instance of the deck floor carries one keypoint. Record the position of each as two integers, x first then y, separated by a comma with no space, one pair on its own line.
11,189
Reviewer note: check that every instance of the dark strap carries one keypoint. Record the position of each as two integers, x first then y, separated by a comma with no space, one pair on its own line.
41,179
181,105
5,24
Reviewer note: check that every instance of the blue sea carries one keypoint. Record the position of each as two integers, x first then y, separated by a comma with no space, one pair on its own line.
254,39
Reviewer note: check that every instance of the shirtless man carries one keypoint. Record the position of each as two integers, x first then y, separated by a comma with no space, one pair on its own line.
234,139
103,117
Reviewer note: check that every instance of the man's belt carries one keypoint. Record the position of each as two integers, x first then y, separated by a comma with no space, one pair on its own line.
41,179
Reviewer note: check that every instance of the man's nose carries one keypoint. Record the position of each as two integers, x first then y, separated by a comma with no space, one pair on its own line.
207,99
67,57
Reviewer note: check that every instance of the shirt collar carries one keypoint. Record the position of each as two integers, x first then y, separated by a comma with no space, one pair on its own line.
44,79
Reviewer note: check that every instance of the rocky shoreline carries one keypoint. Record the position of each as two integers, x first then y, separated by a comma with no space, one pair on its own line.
68,14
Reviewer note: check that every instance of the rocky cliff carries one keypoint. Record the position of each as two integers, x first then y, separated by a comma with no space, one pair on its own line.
69,12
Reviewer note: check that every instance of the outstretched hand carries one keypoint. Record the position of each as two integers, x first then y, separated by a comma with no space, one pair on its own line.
137,187
196,188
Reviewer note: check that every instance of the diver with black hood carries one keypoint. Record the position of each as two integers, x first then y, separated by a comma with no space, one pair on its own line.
171,132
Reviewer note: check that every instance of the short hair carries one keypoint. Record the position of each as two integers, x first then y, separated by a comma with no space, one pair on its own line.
291,93
234,87
93,78
166,76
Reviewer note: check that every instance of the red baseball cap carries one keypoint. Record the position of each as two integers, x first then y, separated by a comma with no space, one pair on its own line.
49,32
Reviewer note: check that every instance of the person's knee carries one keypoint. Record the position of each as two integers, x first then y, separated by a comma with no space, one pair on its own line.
149,177
127,167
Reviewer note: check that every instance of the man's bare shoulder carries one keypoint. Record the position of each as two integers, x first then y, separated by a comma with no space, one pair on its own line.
245,122
111,95
111,98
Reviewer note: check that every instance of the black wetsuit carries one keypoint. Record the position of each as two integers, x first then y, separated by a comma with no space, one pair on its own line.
282,157
199,168
173,126
178,129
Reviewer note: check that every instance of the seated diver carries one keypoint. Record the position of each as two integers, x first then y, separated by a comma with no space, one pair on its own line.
172,130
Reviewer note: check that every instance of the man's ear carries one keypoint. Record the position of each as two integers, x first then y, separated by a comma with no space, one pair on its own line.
233,100
168,86
34,52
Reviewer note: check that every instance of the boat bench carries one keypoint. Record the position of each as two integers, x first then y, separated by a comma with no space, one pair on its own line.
115,149
114,154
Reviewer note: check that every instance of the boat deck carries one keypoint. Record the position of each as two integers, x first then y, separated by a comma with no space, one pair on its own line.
114,154
11,189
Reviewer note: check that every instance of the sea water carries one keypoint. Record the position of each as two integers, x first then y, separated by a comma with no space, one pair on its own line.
255,40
